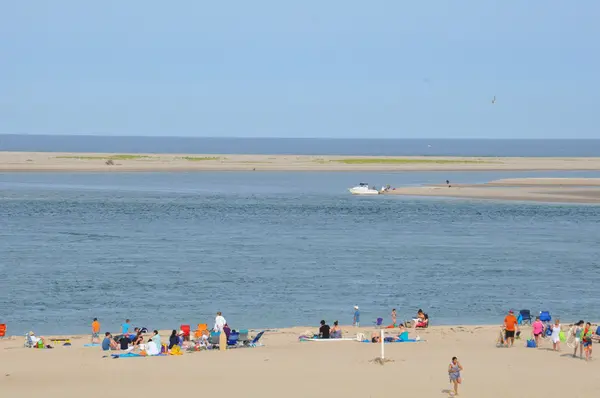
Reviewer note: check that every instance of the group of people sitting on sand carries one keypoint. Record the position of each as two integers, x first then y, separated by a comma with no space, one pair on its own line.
178,340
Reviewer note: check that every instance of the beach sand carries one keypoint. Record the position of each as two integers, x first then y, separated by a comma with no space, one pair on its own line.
285,367
96,162
563,190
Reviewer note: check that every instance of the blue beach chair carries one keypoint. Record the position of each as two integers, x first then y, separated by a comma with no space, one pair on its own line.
525,316
255,341
545,316
379,322
233,339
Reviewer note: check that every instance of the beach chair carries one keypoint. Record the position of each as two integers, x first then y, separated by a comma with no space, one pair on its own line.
243,336
201,328
545,316
213,339
255,341
525,316
379,322
2,330
186,329
233,339
28,342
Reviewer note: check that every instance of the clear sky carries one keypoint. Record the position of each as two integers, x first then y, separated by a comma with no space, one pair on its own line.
275,68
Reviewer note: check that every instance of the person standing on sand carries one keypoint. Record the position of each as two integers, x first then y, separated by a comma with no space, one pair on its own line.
538,330
586,339
125,327
394,317
556,335
577,329
219,322
454,370
95,331
356,321
510,325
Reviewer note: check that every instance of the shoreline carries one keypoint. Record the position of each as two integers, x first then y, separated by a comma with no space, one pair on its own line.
97,162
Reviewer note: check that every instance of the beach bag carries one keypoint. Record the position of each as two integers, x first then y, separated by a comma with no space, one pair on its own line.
548,331
530,343
520,319
562,337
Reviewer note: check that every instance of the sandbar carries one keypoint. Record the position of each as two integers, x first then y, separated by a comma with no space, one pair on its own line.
285,367
563,190
114,162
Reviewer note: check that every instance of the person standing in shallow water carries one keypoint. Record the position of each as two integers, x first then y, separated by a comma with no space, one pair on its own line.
356,321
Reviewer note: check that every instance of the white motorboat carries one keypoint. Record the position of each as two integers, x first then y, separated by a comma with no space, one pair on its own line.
363,189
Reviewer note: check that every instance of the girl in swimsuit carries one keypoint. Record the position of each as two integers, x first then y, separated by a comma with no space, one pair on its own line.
454,370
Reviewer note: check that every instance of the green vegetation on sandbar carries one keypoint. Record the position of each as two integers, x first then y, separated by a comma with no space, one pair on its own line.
406,161
108,157
199,159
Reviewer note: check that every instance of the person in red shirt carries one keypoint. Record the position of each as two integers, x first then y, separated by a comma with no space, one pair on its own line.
510,326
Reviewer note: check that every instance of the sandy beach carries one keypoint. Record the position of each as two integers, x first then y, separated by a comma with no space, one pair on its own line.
286,367
563,190
97,162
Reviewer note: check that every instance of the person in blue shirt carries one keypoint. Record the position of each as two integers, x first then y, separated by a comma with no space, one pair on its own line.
108,343
125,327
356,321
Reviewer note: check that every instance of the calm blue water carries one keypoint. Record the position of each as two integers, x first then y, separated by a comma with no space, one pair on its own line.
302,146
281,249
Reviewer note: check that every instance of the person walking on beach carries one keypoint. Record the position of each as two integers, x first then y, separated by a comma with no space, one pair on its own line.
586,339
95,331
577,331
454,370
356,321
394,317
510,327
556,335
538,330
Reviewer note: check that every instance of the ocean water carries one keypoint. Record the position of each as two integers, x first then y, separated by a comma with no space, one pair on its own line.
282,249
302,146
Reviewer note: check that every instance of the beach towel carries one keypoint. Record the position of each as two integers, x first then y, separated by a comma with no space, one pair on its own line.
127,355
92,345
395,341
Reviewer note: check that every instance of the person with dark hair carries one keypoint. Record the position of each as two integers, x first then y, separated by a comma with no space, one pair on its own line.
173,339
336,331
95,331
324,330
156,339
108,343
454,370
586,339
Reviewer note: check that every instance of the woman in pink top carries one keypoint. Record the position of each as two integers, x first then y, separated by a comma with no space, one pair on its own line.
538,329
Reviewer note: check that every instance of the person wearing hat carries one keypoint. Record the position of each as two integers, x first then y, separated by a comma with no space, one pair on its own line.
510,327
356,321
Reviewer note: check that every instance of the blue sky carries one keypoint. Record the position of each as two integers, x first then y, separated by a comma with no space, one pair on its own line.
389,69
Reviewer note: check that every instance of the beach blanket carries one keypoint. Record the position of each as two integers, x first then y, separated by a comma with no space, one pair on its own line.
395,341
134,355
92,345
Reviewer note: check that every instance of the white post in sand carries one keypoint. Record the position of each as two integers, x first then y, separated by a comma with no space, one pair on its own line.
382,340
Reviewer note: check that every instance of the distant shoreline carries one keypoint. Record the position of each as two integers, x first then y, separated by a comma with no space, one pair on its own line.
555,190
114,162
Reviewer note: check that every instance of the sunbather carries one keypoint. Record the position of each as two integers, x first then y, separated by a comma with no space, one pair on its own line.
109,343
35,340
336,331
173,339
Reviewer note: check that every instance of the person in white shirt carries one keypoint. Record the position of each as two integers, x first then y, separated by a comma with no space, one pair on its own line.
219,322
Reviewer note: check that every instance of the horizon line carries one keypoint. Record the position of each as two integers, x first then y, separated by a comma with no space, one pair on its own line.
300,138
